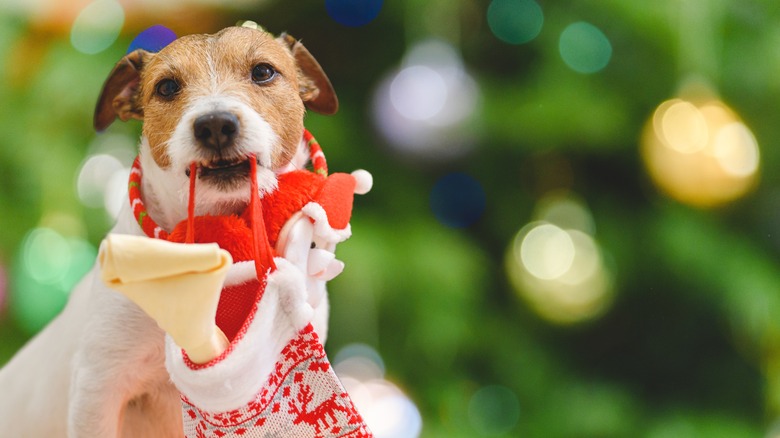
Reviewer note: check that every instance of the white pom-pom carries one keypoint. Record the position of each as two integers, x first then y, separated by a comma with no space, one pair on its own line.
363,181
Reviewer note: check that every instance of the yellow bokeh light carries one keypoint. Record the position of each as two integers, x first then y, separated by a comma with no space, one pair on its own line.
546,251
736,150
559,272
565,210
682,126
699,152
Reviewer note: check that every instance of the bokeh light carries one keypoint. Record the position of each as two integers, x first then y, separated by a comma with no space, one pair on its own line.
428,108
48,266
115,193
387,411
556,265
97,26
515,21
546,251
95,172
418,92
493,410
458,200
46,256
584,47
359,361
774,430
101,181
3,288
699,152
353,13
152,39
566,210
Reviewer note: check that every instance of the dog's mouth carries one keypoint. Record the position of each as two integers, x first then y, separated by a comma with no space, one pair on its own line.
224,167
225,173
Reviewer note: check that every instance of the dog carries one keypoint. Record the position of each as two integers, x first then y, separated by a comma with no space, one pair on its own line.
97,370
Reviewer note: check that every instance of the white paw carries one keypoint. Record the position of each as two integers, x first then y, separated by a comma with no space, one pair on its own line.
290,283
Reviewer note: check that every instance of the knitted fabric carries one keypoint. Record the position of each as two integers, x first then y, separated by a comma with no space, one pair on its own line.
302,396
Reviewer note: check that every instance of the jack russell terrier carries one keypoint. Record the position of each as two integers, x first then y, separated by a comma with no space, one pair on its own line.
98,369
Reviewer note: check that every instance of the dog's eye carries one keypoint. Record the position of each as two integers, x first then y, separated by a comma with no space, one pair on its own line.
263,73
167,88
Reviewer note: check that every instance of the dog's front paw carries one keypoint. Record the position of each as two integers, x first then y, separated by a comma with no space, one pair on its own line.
290,283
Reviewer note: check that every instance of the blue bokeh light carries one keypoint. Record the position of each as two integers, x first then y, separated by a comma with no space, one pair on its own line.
153,39
353,13
458,200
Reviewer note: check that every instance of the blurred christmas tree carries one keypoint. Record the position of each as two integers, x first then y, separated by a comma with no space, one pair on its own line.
573,230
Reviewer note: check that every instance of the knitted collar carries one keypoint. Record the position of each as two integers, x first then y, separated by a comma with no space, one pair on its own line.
150,227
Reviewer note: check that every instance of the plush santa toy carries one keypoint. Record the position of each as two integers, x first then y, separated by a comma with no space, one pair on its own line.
243,302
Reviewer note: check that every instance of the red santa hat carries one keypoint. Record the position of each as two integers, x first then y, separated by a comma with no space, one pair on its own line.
326,201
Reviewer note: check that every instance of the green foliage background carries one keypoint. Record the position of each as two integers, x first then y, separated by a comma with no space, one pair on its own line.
690,346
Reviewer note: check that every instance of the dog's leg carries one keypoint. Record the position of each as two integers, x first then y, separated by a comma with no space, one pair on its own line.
94,411
156,414
122,359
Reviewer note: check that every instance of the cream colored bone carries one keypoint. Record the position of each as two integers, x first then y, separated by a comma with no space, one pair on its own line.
177,285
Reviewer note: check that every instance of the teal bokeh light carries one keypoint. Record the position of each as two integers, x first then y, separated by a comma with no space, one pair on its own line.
48,266
515,21
97,26
494,410
584,48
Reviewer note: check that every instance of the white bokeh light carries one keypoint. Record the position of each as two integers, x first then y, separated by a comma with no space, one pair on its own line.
115,195
428,108
387,411
418,92
93,176
101,181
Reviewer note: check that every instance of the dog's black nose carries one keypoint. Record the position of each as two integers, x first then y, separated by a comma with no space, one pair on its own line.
216,130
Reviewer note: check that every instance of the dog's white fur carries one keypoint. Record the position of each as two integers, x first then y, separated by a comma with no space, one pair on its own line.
98,369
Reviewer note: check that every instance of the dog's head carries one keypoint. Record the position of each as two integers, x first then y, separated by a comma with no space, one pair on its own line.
216,100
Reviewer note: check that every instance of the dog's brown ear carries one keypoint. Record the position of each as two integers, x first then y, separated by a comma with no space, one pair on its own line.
119,95
316,90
